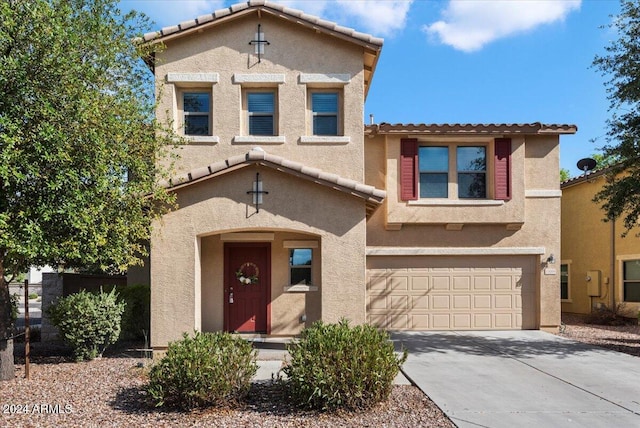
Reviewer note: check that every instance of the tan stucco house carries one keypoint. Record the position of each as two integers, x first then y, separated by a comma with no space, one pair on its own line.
291,210
599,266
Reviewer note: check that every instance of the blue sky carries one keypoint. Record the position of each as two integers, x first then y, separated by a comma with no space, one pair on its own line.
475,61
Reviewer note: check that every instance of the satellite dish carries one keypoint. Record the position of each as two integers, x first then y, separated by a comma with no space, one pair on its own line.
586,164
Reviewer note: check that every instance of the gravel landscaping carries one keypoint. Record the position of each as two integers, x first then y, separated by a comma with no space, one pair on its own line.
624,338
109,392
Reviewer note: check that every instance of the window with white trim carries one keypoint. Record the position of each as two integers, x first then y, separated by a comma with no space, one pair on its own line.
261,112
564,282
300,261
325,112
196,107
631,280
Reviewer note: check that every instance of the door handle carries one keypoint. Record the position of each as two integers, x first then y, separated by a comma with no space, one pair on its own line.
231,297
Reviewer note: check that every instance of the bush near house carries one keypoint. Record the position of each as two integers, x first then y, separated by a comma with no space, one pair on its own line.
208,369
335,366
136,319
620,315
88,322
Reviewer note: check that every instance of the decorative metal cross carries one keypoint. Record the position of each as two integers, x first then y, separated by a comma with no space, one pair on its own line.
257,192
259,42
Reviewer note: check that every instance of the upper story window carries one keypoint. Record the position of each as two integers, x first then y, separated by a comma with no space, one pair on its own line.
261,110
196,107
437,173
434,172
471,162
631,280
455,171
324,110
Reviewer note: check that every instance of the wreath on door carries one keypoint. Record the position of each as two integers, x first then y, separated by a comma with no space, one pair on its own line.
248,273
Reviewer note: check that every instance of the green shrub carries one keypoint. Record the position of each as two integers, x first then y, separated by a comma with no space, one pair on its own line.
88,322
136,318
335,366
208,369
618,316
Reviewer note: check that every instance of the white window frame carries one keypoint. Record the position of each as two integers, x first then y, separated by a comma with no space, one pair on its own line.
337,114
186,113
312,245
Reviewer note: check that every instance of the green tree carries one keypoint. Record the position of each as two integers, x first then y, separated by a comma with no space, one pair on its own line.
76,122
621,66
565,174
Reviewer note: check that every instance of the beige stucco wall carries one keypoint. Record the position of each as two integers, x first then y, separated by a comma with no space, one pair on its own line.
590,244
293,50
185,262
287,307
535,204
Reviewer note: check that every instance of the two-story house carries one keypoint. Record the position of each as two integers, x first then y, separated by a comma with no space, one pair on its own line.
600,267
291,210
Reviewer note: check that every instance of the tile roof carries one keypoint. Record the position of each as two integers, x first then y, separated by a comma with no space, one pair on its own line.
468,128
372,45
270,7
589,175
373,197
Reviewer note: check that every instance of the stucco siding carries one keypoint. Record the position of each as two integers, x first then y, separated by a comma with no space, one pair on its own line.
222,205
225,51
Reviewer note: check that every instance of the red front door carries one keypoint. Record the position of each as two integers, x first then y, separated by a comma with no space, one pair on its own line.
247,287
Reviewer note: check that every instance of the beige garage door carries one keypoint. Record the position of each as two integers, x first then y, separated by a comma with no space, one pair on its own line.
451,293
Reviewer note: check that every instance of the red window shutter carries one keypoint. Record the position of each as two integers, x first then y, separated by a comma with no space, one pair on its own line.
408,169
502,169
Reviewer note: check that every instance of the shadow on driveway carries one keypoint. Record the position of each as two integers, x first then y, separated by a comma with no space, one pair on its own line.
523,345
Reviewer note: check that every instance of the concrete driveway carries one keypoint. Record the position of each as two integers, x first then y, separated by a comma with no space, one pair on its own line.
523,379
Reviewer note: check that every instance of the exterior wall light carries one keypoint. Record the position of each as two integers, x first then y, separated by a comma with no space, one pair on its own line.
257,192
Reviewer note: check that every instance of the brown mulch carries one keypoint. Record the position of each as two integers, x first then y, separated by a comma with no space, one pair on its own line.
625,338
109,392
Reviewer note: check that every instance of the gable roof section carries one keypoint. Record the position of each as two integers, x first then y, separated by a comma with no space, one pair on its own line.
372,196
535,128
372,45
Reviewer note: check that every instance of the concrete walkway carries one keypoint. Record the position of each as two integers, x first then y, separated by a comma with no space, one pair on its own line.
523,379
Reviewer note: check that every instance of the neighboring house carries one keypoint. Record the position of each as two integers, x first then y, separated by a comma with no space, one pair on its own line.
404,226
599,266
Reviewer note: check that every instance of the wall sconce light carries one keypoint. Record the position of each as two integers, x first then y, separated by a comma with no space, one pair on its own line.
259,42
257,192
551,259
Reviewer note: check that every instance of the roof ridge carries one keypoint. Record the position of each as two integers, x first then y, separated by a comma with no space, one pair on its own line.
258,155
265,5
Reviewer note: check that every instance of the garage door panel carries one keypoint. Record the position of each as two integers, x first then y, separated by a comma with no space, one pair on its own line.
440,293
461,321
462,301
482,283
419,302
462,283
419,283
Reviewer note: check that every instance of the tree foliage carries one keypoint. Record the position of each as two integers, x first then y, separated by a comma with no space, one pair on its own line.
620,196
78,138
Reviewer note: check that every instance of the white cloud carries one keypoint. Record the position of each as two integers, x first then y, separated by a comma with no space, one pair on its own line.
469,25
378,17
171,12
